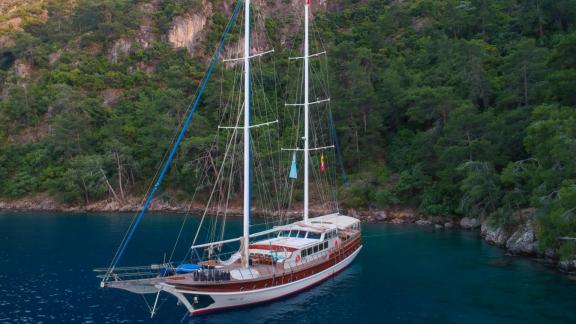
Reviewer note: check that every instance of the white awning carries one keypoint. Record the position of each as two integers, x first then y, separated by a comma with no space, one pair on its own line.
340,221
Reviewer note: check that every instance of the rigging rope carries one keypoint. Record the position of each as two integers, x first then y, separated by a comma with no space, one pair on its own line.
337,147
176,144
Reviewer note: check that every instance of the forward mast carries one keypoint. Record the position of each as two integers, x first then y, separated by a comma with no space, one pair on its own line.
246,206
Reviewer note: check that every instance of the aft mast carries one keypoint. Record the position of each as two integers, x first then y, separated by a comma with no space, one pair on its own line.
246,222
306,114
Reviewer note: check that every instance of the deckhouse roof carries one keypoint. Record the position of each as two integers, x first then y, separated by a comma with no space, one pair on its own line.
340,221
289,242
319,224
322,224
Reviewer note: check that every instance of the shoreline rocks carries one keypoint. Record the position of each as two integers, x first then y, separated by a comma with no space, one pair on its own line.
523,240
492,234
568,266
518,238
470,223
423,222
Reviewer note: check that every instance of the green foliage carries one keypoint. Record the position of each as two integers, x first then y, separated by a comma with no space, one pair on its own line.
372,187
24,105
385,198
23,184
447,106
472,101
480,188
558,219
83,180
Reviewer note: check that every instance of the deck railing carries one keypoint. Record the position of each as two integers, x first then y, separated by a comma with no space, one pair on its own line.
134,273
212,274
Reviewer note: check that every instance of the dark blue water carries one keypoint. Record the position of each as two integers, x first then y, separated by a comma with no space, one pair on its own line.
404,274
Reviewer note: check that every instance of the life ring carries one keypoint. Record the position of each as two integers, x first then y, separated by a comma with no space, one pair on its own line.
298,258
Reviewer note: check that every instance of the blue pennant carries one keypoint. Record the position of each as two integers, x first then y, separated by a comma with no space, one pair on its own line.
293,169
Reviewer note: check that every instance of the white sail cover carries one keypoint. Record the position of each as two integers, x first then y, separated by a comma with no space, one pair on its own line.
244,273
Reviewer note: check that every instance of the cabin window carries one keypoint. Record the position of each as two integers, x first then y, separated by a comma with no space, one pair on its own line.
325,244
330,234
302,234
294,234
310,251
315,248
304,254
315,236
284,234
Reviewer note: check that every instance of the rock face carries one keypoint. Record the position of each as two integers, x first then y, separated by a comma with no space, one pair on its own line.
186,31
398,221
54,57
518,238
381,216
120,47
551,255
409,219
470,223
111,96
496,235
567,265
23,68
523,240
423,222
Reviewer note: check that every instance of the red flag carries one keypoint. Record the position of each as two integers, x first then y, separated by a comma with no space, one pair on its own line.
322,165
307,2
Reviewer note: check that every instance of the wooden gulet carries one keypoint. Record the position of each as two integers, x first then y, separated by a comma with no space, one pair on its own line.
269,264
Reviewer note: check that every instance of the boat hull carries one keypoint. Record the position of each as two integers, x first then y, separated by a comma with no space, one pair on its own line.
217,301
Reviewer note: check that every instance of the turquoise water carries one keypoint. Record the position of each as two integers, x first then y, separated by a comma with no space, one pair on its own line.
404,274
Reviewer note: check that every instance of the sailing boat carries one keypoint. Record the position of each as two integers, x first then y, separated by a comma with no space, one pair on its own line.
269,264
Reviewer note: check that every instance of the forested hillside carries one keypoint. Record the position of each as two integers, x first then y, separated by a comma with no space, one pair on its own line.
452,107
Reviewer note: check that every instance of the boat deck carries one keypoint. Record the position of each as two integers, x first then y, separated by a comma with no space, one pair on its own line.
270,277
257,271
